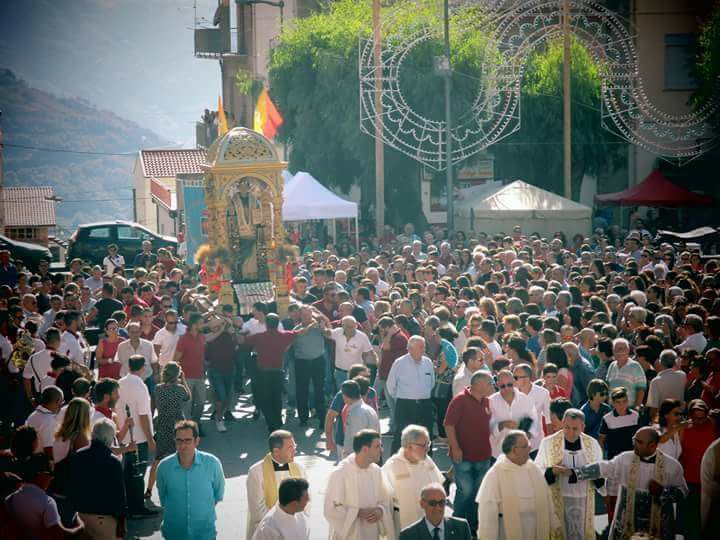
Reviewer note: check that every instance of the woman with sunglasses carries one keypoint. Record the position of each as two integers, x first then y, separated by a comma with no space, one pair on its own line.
671,424
106,349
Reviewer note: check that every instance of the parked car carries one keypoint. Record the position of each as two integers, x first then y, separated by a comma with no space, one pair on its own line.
90,241
29,254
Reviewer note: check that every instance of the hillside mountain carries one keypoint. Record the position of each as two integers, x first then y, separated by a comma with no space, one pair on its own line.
93,186
133,57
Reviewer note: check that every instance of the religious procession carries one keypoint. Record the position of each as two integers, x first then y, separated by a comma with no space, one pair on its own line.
433,270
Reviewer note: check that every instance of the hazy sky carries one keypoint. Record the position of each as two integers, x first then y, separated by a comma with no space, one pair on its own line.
133,57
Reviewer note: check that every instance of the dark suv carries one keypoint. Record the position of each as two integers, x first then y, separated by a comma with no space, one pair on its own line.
29,254
90,241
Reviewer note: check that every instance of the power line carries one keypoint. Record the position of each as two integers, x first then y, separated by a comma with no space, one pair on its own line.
66,151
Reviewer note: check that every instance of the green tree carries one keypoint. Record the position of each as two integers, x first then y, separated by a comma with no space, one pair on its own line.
314,82
595,151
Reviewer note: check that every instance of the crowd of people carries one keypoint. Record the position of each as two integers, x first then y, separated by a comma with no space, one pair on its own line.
564,379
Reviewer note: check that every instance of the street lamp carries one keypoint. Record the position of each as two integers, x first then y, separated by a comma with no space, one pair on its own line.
279,4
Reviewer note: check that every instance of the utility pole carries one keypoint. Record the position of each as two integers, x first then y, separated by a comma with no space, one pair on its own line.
567,118
2,181
379,146
448,124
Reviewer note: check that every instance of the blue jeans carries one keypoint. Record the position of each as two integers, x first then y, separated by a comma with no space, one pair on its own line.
340,377
468,477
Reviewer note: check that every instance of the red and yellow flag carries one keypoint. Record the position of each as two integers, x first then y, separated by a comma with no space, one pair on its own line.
222,120
267,119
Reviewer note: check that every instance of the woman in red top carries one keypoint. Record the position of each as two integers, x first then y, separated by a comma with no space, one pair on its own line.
696,438
106,349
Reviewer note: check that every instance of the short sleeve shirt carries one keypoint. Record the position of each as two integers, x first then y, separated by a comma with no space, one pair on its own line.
349,351
471,420
631,376
193,355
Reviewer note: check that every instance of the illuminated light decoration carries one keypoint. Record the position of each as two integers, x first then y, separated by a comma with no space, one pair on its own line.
514,28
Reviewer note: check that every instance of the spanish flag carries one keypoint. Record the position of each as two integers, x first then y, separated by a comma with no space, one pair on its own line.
267,119
222,120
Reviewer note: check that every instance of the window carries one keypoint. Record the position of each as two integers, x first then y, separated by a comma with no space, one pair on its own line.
21,233
680,51
128,233
99,232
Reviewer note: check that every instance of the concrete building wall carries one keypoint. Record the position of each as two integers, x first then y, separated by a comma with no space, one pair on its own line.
144,208
656,21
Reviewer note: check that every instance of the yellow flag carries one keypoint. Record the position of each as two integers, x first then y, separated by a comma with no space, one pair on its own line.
222,121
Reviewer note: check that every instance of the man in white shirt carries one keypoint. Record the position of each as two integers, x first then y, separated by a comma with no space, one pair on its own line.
166,338
287,520
37,373
510,409
351,347
472,361
134,346
539,395
692,329
135,400
488,328
381,287
668,384
73,344
44,417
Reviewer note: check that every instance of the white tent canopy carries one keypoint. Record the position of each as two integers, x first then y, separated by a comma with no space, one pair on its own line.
519,203
305,198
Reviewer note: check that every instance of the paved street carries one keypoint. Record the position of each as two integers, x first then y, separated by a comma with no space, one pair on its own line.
245,443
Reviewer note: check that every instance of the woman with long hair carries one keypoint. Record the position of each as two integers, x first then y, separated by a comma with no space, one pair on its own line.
489,309
74,432
106,349
169,398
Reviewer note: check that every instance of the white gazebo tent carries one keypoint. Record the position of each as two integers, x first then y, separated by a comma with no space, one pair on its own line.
519,203
305,198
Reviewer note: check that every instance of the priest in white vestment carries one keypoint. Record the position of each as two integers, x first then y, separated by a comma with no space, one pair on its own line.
264,477
358,502
710,491
650,483
287,520
559,455
407,472
514,500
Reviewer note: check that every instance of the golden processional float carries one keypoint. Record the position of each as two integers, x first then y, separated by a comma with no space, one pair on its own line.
244,197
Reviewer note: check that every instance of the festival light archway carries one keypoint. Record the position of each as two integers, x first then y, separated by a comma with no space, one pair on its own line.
514,29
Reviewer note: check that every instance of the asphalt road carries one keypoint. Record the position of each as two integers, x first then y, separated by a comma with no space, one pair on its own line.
245,443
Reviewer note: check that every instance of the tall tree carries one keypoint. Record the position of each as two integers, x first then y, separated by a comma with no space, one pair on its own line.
314,82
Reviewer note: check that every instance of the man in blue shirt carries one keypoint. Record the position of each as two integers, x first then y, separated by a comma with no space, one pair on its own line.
190,483
410,383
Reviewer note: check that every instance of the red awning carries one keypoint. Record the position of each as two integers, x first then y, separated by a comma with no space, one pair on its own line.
655,190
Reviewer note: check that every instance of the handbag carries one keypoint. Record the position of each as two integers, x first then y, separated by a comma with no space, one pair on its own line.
443,385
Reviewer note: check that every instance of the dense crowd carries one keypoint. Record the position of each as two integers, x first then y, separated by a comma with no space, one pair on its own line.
551,370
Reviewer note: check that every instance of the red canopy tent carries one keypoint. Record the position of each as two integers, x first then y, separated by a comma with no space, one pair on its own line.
655,190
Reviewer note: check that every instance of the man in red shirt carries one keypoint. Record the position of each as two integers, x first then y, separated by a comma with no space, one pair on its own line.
270,347
328,305
129,299
467,423
393,345
190,354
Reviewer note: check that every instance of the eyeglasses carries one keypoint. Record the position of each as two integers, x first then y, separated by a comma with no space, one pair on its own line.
184,441
433,502
508,385
425,446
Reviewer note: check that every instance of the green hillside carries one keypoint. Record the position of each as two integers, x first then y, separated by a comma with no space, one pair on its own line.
93,186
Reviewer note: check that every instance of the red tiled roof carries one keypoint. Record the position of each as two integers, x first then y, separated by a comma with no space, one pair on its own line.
28,206
168,163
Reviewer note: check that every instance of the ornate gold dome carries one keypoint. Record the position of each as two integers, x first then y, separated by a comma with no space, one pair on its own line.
240,146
